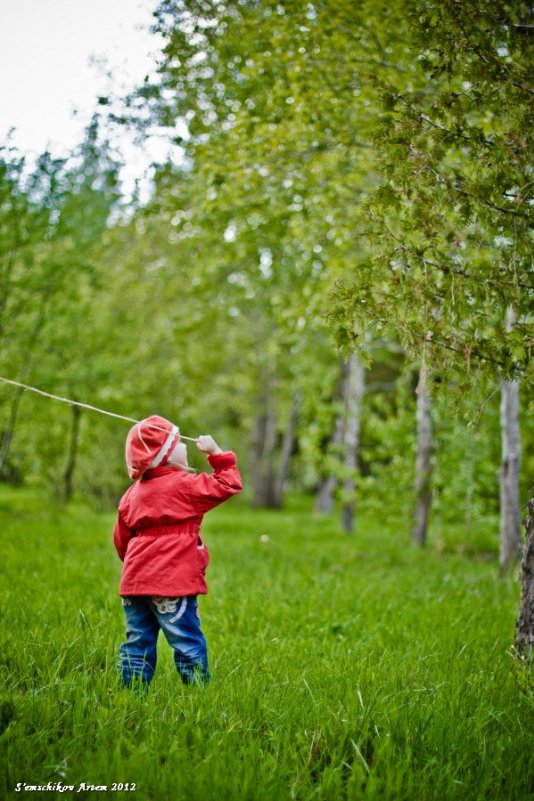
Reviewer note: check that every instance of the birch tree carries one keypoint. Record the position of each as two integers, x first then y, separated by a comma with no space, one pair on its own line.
510,538
344,445
324,502
524,633
423,467
354,392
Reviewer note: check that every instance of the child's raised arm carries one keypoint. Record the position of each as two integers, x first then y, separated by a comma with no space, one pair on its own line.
210,489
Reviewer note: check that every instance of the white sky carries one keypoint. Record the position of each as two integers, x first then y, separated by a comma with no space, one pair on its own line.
46,47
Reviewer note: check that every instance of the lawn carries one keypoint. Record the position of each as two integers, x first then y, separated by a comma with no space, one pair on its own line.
342,667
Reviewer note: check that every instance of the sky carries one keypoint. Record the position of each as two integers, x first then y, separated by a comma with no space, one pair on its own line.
54,56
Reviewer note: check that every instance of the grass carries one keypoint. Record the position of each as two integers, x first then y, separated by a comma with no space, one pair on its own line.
342,667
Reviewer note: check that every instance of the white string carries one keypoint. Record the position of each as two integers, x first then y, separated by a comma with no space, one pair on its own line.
87,406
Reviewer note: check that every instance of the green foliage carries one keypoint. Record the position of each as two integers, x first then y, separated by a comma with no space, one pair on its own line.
393,138
340,667
360,172
451,223
57,213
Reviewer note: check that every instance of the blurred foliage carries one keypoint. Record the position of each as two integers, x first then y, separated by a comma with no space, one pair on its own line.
392,138
354,177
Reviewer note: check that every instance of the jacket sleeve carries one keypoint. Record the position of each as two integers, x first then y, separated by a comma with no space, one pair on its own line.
210,489
122,535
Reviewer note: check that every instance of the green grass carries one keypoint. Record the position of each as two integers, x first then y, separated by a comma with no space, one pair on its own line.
342,667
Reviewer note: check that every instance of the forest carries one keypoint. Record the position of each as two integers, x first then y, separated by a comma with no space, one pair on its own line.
334,278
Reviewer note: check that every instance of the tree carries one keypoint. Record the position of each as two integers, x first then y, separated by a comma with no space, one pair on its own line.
354,392
329,471
59,212
423,469
450,223
510,538
28,279
445,209
256,81
524,635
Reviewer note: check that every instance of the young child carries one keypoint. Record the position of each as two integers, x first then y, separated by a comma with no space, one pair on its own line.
157,536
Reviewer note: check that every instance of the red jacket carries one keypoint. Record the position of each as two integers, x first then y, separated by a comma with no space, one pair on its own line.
157,533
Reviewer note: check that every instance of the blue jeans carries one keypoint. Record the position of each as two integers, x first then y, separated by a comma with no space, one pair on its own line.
178,617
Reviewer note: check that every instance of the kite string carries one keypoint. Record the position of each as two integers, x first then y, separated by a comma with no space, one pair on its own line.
86,406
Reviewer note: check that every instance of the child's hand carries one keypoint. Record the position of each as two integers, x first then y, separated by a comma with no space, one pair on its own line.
207,444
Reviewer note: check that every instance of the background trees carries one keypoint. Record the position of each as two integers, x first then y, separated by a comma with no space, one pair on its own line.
393,140
354,179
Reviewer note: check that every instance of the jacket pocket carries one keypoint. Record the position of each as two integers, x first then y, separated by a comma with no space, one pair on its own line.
203,553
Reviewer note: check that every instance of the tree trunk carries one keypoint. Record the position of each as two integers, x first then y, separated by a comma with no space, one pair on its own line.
255,458
73,452
354,392
269,446
288,444
264,446
10,429
423,466
324,503
524,630
510,537
262,459
469,482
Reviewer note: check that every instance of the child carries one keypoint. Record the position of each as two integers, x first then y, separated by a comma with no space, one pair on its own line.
157,536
